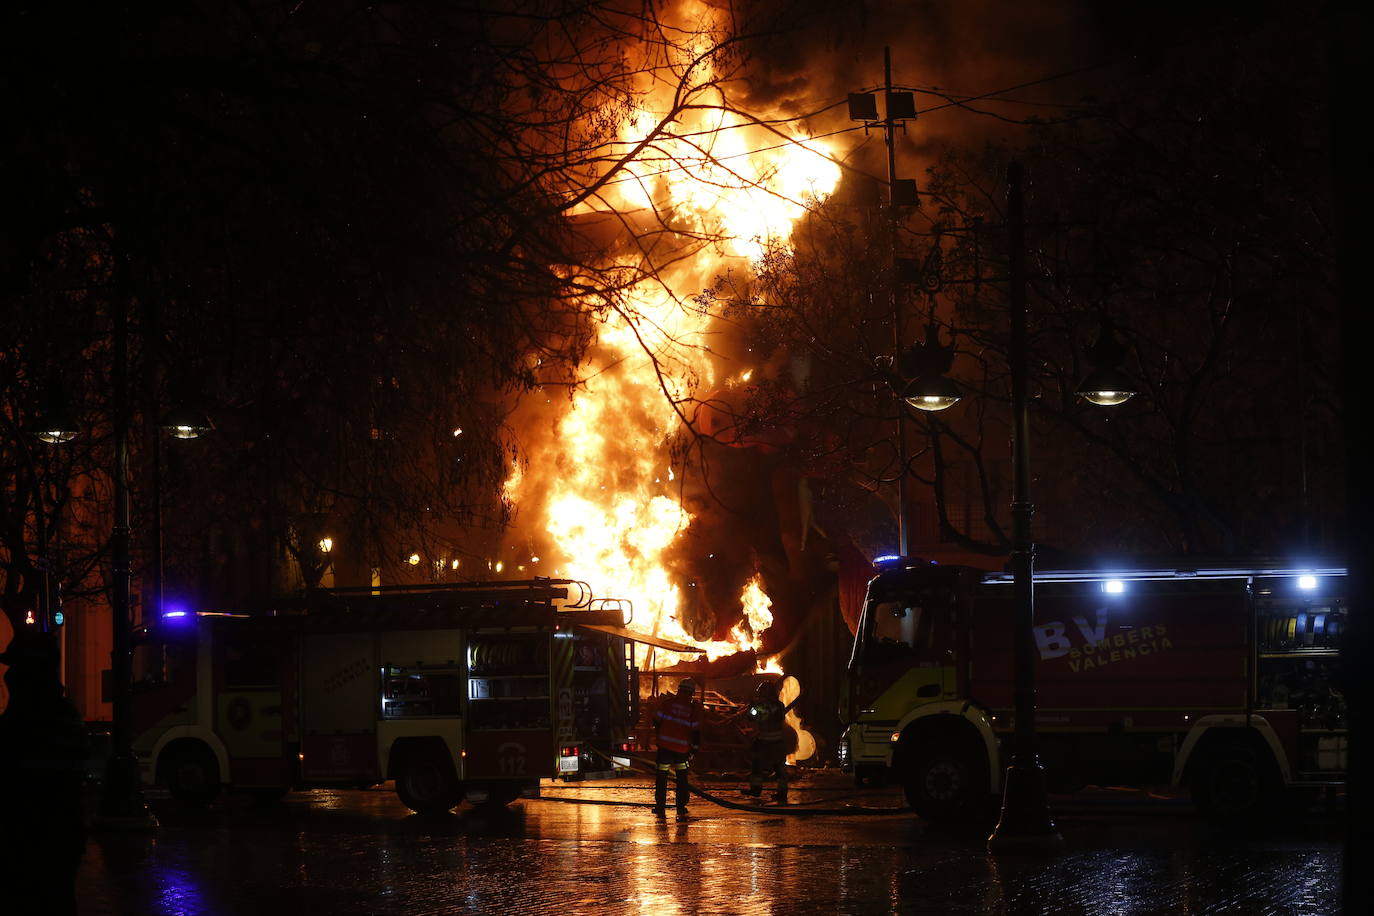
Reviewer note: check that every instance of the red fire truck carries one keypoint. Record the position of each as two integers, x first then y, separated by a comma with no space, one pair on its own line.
475,691
1223,680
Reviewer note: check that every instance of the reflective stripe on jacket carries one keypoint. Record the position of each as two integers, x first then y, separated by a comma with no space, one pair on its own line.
678,721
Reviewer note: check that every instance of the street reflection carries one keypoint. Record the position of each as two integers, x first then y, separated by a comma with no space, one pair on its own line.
362,852
179,892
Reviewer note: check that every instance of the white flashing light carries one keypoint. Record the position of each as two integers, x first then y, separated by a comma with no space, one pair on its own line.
175,614
1307,582
1114,586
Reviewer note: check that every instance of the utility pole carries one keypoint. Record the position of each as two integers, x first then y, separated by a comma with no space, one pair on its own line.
899,106
895,299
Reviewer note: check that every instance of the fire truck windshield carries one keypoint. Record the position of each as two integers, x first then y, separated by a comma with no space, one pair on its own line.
898,622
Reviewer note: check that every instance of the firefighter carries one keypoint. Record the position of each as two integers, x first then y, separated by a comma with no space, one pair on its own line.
771,745
677,732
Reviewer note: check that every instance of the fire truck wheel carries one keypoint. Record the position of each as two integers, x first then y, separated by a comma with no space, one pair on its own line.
946,783
1234,784
191,774
426,785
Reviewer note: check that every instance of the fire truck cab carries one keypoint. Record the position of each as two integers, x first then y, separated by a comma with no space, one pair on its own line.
475,691
1222,680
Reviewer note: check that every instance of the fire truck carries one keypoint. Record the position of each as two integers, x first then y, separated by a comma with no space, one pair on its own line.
475,691
1224,681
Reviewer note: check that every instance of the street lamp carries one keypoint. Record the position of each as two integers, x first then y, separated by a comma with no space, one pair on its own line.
931,394
1106,385
1025,824
185,422
55,423
121,802
930,390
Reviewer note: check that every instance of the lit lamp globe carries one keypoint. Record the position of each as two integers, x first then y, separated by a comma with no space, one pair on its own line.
56,435
1107,387
56,426
931,393
186,423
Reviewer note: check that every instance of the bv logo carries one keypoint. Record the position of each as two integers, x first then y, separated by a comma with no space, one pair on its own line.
1053,638
1096,648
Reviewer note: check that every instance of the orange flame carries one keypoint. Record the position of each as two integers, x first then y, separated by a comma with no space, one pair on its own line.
769,665
604,493
806,742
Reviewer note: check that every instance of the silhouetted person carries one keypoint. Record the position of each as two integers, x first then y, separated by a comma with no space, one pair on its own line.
772,740
677,730
43,749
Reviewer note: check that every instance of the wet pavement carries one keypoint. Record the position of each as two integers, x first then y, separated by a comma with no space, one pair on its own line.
586,848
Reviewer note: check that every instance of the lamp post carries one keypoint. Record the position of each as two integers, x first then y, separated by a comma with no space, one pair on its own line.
1025,825
121,799
121,802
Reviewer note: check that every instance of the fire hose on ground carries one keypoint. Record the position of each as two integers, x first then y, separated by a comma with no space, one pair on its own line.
798,810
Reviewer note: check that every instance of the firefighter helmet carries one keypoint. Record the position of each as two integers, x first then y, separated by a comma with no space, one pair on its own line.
687,686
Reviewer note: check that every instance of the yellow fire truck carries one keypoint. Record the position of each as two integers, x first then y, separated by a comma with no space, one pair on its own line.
1226,680
474,691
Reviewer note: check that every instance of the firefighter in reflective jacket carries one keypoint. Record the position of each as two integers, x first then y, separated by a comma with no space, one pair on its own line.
677,730
772,740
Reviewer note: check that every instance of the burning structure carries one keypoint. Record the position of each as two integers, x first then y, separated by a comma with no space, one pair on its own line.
626,478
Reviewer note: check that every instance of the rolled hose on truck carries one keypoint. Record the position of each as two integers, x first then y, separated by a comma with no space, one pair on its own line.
799,810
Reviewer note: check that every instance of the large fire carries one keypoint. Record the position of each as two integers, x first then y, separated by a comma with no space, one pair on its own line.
599,486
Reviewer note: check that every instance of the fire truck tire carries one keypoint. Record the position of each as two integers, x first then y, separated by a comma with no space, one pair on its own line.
946,782
425,783
191,773
1234,784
